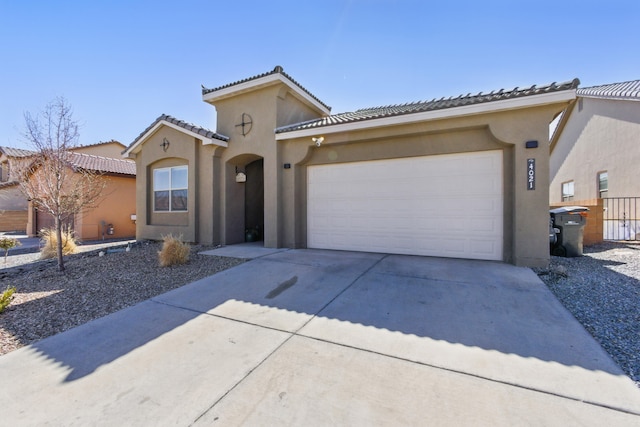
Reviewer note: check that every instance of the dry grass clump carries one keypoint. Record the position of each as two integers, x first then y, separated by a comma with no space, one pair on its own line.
50,240
174,251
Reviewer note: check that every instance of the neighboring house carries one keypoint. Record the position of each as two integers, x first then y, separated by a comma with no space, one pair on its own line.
463,177
112,149
13,204
595,153
113,217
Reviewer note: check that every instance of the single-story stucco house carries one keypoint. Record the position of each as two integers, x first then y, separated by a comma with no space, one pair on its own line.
594,160
464,177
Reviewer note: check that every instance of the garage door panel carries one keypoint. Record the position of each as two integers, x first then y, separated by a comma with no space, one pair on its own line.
449,205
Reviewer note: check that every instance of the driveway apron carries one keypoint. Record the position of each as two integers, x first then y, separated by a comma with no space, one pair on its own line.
323,338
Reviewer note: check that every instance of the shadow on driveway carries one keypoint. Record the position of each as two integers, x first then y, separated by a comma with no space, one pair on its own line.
477,304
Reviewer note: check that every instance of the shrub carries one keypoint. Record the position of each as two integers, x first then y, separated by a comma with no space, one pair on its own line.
50,243
7,243
6,297
174,251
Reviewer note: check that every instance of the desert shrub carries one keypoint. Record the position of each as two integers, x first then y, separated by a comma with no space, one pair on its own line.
7,243
174,251
50,243
6,297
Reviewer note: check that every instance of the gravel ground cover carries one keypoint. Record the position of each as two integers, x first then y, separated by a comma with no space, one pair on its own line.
48,302
602,291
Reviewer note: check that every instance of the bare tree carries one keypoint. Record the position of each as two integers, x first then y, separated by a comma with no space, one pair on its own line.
51,180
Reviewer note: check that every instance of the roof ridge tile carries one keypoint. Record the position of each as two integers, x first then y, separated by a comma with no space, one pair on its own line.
277,70
421,106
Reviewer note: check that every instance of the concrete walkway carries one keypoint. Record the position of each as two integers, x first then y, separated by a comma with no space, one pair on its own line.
309,337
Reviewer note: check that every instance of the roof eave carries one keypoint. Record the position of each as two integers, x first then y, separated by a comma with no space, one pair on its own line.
445,113
137,146
261,82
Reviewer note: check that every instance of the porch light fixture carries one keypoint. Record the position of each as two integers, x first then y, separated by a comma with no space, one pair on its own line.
240,176
319,140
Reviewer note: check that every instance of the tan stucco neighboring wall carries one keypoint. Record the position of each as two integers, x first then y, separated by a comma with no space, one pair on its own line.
117,204
600,135
12,198
115,208
112,149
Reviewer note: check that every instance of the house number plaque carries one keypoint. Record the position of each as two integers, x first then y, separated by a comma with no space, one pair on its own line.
531,174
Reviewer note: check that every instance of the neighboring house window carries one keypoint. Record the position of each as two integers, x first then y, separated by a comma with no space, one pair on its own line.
603,184
567,191
170,188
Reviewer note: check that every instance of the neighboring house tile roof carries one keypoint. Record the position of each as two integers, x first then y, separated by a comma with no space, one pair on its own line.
625,90
113,141
102,164
423,106
277,70
8,184
16,152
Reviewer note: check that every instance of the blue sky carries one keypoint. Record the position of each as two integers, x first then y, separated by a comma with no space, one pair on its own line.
121,64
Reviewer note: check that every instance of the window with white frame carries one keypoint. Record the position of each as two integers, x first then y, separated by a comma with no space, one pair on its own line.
603,184
170,189
567,191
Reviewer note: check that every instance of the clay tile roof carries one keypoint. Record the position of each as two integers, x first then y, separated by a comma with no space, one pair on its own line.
423,106
277,70
113,141
625,90
16,152
102,164
181,123
191,127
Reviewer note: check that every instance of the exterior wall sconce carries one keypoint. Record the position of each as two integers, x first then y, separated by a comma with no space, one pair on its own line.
240,176
318,141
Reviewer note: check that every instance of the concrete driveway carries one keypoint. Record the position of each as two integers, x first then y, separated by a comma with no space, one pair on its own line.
309,337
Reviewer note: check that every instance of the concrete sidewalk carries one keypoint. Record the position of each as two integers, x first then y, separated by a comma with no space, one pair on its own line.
308,337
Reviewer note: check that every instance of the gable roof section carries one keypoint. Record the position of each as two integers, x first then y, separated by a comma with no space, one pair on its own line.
101,164
277,75
434,109
16,152
113,141
629,91
205,135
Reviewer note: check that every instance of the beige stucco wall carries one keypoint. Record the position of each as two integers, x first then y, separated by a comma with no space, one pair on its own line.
182,150
600,135
525,212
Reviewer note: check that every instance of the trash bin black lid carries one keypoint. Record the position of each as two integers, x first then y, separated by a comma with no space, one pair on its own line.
569,209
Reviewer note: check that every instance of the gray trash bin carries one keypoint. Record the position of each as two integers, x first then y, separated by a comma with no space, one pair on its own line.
566,230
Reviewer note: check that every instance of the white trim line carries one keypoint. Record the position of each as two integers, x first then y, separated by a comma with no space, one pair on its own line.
445,113
269,80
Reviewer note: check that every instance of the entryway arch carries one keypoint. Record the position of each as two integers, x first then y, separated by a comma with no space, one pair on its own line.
244,199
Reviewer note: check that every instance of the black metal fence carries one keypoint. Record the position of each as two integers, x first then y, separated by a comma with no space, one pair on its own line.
621,218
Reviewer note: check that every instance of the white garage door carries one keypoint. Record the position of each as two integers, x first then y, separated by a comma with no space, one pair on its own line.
446,205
